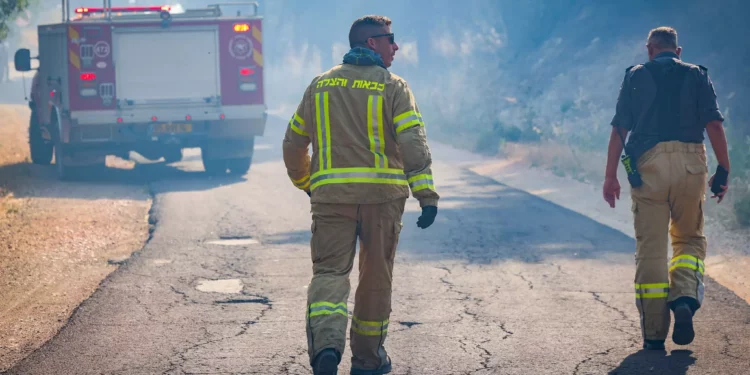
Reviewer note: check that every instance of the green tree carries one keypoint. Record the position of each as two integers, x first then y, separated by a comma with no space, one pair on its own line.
9,10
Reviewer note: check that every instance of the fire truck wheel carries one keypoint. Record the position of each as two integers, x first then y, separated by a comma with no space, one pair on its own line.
240,166
63,171
213,166
41,151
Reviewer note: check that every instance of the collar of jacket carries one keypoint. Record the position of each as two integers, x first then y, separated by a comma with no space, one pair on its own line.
666,55
363,57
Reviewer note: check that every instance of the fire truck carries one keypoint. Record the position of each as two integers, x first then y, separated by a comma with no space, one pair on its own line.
148,79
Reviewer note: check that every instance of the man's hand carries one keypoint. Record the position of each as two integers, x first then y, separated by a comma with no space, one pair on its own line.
611,190
428,216
724,188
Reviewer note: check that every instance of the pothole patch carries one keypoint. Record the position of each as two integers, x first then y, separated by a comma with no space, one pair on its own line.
161,262
228,286
234,241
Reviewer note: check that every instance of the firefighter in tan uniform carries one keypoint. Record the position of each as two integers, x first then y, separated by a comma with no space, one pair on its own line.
666,105
369,149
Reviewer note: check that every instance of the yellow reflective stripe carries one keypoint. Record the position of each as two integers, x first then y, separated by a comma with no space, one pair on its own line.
327,308
407,120
371,129
687,261
358,170
359,180
321,139
368,328
375,130
404,115
358,175
324,129
328,129
650,286
421,182
299,119
688,265
301,180
302,183
654,290
298,125
651,295
381,133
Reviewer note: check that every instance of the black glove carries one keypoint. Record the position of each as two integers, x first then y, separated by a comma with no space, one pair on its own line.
308,193
428,216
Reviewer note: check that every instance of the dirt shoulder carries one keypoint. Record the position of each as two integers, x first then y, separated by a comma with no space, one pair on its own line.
728,260
58,240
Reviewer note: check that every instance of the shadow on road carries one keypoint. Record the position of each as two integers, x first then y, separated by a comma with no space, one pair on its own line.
29,180
481,221
656,362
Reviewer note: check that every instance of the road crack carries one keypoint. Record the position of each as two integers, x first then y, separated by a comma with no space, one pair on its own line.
598,298
727,347
522,277
590,358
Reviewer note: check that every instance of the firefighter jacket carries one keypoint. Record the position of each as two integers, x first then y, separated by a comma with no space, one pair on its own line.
368,138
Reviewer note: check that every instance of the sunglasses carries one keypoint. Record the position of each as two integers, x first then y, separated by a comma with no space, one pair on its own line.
391,38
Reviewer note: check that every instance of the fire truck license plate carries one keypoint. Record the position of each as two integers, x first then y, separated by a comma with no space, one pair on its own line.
171,128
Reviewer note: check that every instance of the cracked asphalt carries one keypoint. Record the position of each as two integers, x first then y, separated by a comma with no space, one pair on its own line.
502,283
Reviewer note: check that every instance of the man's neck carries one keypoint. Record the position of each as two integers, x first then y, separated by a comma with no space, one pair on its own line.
666,54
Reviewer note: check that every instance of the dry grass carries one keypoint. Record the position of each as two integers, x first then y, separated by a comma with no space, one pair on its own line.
55,241
589,167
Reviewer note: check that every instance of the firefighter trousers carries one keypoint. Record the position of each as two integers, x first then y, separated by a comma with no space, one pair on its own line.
335,230
669,204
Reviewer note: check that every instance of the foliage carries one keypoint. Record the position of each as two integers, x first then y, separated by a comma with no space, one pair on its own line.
9,11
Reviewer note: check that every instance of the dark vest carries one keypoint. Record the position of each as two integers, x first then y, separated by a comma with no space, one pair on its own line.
665,119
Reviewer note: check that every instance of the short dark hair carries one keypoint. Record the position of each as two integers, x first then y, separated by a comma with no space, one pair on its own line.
663,37
365,27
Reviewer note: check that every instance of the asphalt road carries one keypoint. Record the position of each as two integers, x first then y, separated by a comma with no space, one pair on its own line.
502,283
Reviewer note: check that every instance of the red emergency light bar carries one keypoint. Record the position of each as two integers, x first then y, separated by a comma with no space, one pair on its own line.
124,9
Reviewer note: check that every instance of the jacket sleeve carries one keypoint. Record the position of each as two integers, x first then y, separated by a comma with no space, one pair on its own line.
296,145
412,139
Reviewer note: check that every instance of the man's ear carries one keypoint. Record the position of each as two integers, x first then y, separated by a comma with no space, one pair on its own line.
679,51
371,43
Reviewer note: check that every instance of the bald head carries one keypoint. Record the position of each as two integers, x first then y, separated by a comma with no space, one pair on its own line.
366,27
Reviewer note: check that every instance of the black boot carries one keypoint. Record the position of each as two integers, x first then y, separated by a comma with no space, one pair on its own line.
326,362
683,332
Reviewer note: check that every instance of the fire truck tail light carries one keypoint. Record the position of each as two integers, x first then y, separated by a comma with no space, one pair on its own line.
241,27
188,118
89,92
222,116
88,76
119,120
246,72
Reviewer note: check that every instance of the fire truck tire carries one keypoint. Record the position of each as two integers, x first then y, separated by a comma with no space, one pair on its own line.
41,151
238,167
63,172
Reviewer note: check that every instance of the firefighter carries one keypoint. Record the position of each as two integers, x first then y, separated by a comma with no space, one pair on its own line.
666,104
369,148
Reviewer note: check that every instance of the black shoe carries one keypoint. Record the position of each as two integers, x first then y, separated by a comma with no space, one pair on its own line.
653,344
384,369
683,332
326,363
